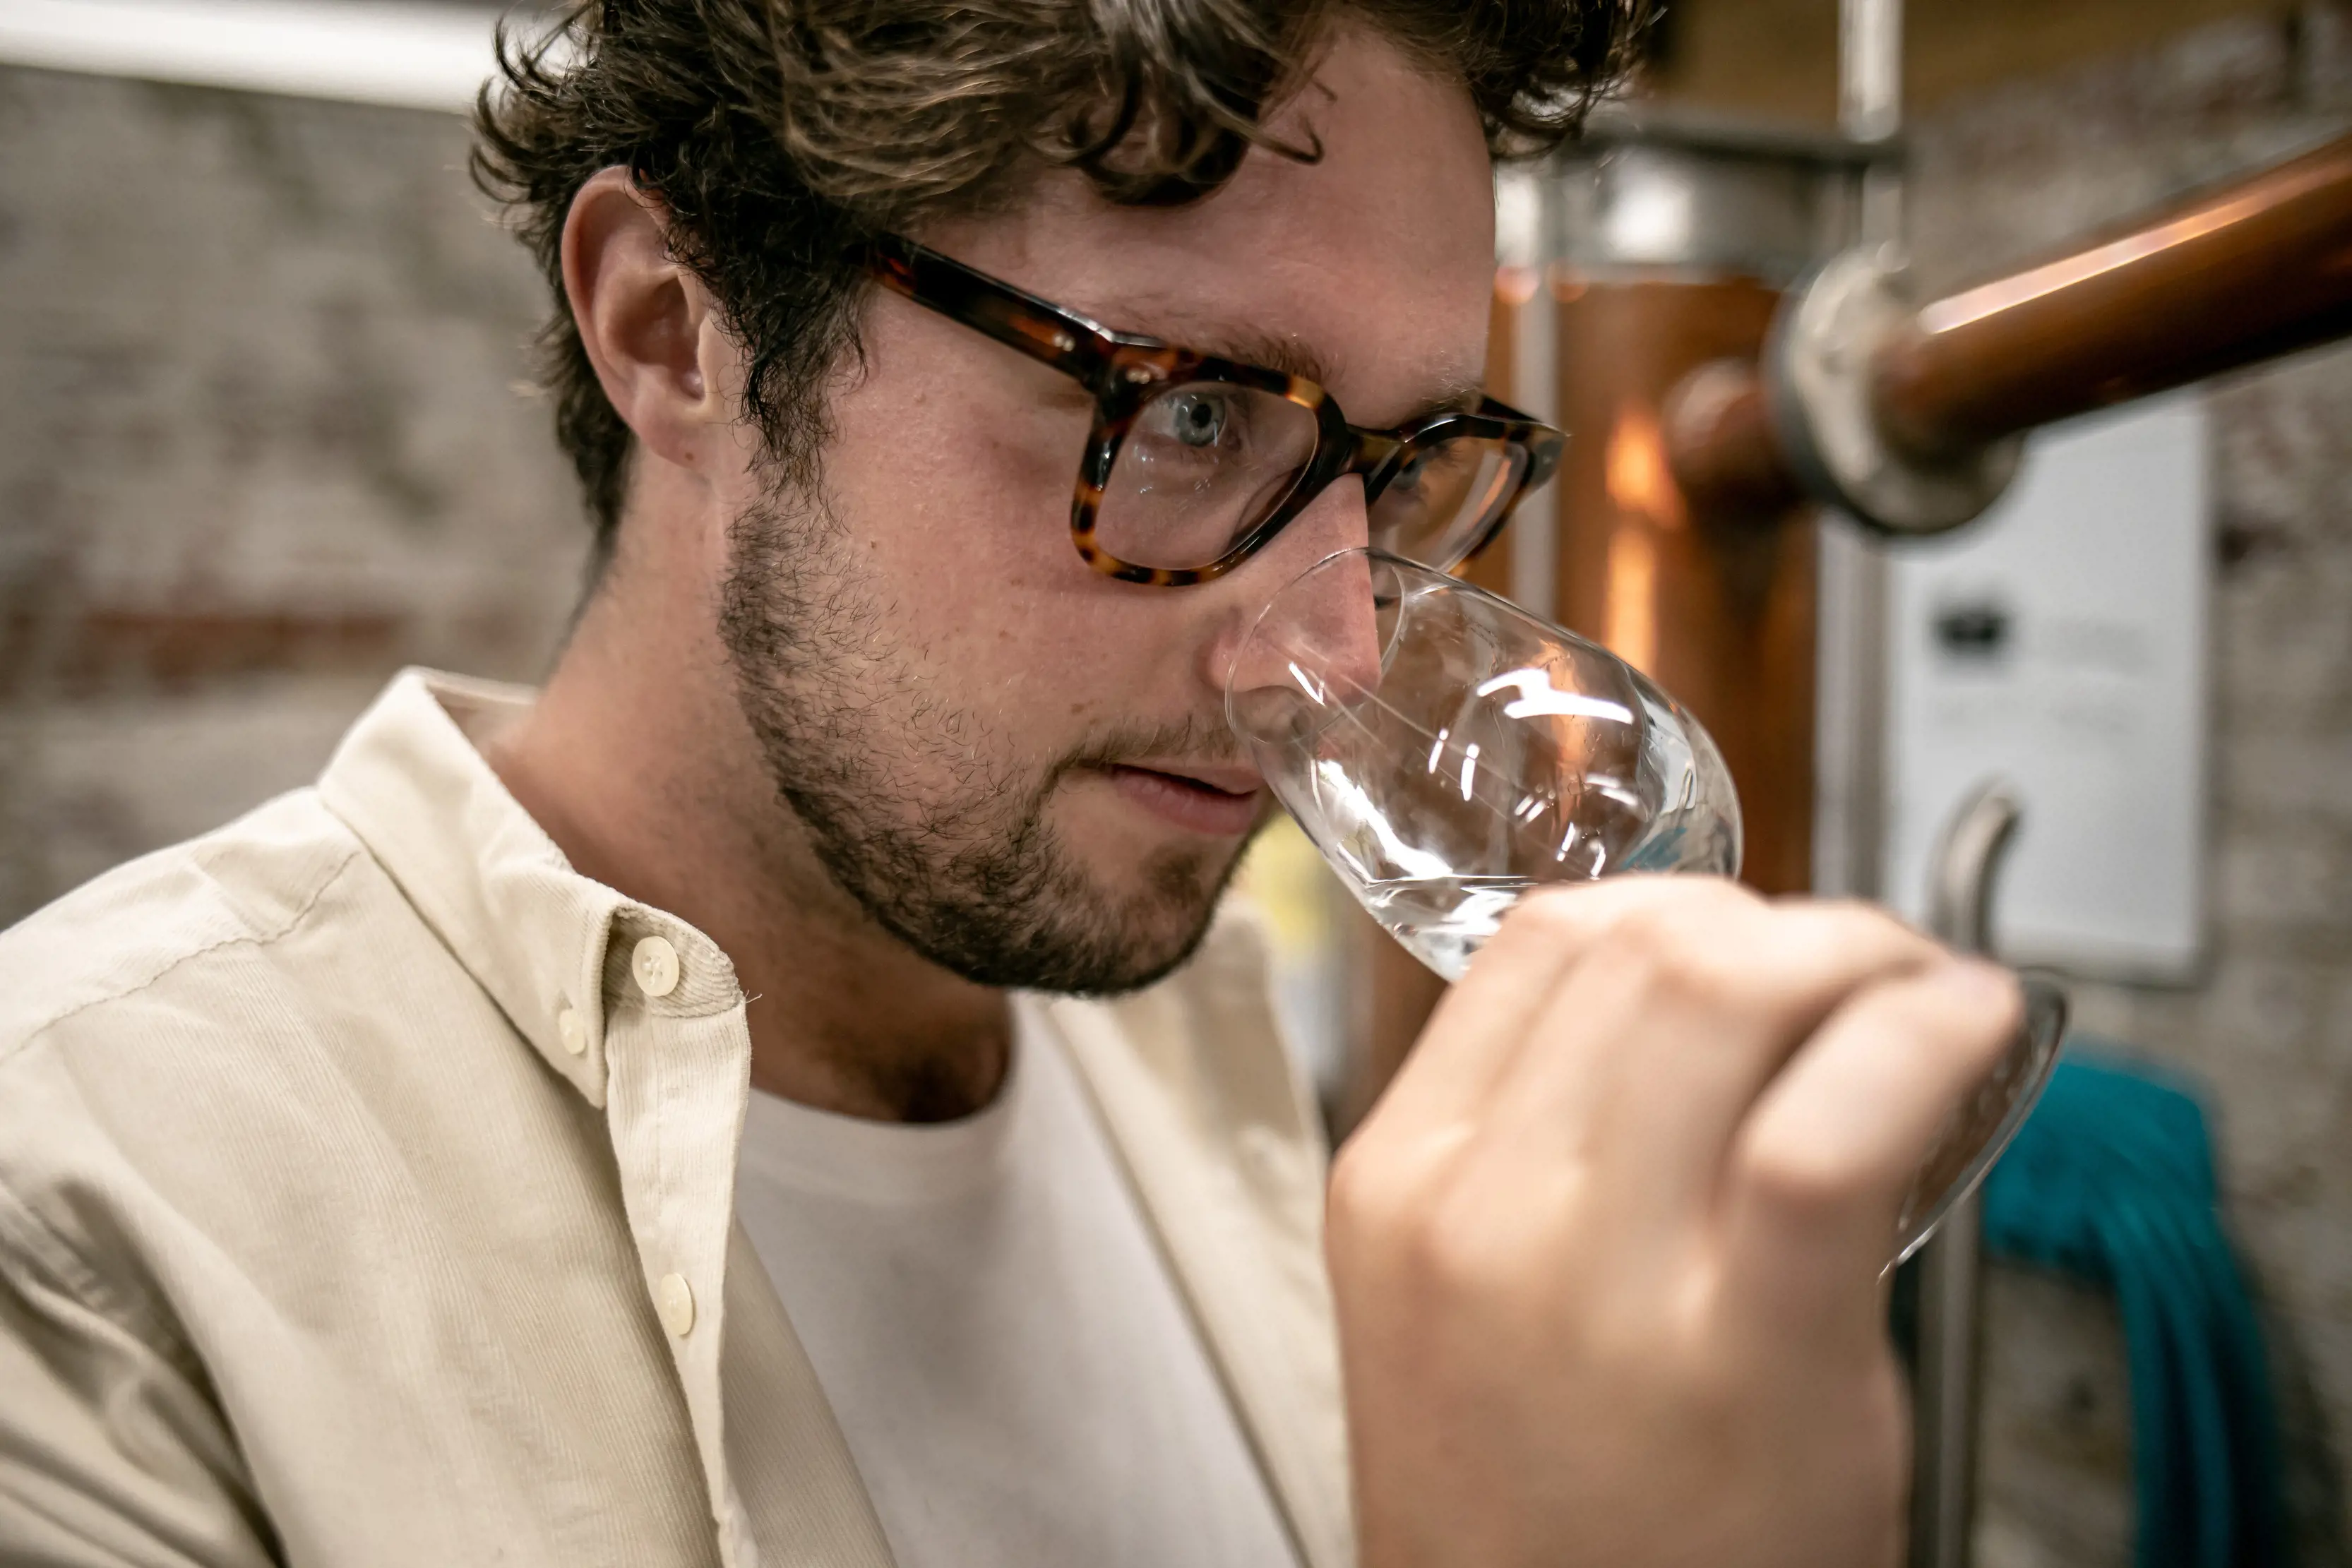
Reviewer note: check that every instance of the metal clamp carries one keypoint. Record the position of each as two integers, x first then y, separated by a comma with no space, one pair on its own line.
1819,364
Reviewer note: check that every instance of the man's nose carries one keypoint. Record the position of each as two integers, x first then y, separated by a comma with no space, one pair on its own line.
1307,616
1335,520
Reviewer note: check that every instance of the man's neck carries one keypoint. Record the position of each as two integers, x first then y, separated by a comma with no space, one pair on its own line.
638,763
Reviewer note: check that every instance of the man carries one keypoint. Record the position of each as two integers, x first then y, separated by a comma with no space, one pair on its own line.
658,1121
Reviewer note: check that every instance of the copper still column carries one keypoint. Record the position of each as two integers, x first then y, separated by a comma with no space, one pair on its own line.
1669,244
1716,608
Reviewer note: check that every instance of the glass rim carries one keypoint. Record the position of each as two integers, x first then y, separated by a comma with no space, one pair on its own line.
1377,557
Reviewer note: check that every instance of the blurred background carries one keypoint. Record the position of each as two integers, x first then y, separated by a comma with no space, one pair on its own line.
267,435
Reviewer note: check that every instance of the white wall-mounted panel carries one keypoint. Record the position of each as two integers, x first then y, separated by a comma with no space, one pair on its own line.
2061,642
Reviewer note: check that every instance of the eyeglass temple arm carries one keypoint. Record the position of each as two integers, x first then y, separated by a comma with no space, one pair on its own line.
1037,327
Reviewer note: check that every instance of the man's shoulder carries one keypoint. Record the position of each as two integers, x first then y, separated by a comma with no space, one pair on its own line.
204,906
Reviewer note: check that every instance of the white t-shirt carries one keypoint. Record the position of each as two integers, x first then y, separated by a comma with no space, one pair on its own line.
1016,1376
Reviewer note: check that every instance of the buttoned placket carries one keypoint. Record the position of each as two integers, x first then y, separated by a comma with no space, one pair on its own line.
677,1057
642,1015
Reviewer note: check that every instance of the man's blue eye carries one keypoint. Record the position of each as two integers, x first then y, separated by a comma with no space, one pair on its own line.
1197,418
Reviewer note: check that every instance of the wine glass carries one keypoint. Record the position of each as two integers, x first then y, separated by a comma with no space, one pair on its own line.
1445,751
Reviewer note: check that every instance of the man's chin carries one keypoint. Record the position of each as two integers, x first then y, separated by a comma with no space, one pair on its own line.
1083,899
1147,920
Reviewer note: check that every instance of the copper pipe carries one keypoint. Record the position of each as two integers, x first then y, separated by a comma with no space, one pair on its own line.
1720,444
2255,269
2248,272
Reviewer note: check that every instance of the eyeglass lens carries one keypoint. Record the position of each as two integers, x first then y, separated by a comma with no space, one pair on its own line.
1205,461
1440,500
1202,465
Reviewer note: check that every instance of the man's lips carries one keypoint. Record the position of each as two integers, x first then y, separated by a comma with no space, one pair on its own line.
1230,780
1219,802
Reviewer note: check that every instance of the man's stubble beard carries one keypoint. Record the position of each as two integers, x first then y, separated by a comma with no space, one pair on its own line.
976,881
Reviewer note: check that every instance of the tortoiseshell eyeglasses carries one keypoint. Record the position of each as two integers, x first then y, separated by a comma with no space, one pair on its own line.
1197,462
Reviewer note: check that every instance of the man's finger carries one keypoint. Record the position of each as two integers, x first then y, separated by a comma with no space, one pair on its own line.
1819,1171
1488,1017
1652,1053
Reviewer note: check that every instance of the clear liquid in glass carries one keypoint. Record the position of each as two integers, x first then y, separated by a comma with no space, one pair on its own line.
1443,921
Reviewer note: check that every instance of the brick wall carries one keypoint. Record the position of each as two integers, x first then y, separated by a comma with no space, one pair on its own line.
260,445
2270,1025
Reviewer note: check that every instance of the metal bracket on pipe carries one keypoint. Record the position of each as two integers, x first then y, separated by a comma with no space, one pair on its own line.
1818,365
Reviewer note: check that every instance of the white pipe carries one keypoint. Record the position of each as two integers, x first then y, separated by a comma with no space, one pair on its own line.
1870,68
411,54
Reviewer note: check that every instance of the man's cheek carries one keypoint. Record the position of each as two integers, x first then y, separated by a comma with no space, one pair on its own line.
1107,675
979,521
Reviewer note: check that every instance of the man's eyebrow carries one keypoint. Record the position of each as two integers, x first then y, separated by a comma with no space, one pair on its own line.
1457,394
1291,356
1453,392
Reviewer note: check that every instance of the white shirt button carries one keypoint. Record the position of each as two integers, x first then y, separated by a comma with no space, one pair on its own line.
1263,1152
654,966
572,1029
674,1299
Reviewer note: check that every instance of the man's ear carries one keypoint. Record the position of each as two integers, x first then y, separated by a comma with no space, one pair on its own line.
645,318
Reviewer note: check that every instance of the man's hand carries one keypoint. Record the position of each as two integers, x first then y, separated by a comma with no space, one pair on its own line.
1608,1252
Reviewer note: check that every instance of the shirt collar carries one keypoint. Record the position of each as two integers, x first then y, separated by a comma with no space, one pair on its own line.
537,936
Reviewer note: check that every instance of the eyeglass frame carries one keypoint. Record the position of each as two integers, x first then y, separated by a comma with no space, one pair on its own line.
1124,371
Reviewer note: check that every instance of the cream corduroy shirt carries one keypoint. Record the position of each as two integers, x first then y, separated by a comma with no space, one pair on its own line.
366,1179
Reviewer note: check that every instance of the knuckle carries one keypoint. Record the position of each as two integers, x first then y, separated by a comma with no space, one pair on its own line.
1546,914
1418,1231
1997,1029
1379,1193
1698,901
1967,1006
1723,893
1844,908
2008,1011
1455,1261
1859,922
1673,955
1659,935
1360,1190
1800,1180
1847,933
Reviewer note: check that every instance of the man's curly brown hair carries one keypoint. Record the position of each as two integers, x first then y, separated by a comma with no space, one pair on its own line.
782,135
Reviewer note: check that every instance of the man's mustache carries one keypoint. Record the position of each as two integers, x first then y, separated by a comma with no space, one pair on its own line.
1210,742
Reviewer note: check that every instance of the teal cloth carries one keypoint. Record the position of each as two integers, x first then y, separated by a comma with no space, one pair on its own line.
2111,1180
